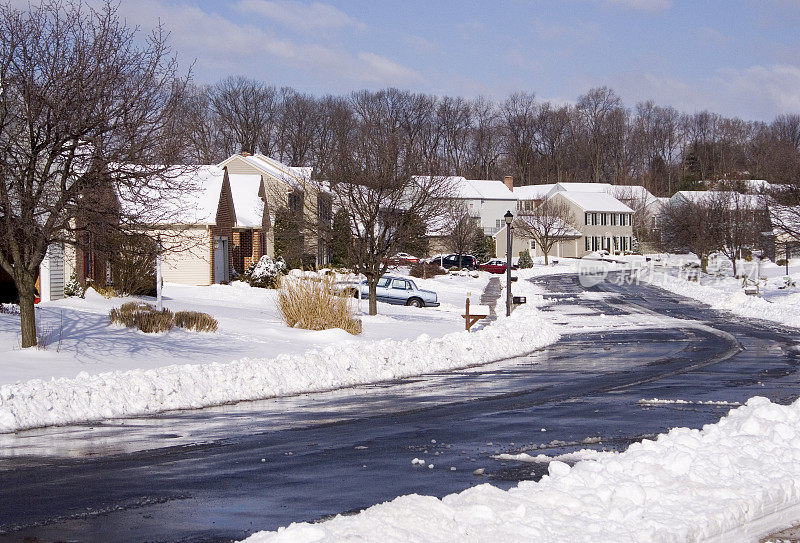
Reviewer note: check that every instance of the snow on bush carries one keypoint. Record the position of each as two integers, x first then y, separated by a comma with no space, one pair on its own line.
687,485
87,397
266,272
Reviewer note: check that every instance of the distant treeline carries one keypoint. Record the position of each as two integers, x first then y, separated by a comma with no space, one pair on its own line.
597,139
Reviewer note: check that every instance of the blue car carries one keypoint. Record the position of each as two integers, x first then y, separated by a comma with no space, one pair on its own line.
400,291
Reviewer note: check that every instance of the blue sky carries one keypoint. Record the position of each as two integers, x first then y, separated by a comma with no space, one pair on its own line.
739,58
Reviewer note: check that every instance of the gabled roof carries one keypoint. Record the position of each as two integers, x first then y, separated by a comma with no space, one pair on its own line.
296,177
596,201
248,207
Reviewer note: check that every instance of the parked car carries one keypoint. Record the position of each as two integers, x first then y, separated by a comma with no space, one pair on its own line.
402,259
397,290
467,262
495,265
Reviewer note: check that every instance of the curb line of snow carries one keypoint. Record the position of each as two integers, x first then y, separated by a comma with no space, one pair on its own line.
38,403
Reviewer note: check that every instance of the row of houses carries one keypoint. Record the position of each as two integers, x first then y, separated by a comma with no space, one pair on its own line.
227,223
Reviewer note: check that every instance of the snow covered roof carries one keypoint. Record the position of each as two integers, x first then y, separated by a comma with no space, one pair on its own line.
697,196
632,192
248,206
533,192
296,177
596,201
477,189
582,187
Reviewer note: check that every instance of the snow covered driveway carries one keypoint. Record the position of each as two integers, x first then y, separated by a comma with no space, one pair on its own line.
234,470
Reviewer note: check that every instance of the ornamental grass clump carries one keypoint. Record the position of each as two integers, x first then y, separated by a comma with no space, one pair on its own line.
196,320
314,303
149,320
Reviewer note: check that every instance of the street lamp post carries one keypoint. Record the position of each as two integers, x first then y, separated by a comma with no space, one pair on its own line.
786,250
508,217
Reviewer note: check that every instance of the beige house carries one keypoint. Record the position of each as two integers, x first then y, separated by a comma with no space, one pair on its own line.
290,187
601,223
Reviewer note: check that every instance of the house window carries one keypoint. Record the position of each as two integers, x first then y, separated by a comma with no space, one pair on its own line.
498,223
587,243
603,219
616,243
533,245
587,222
613,219
594,218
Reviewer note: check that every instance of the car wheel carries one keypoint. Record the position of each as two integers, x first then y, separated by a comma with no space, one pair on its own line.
414,302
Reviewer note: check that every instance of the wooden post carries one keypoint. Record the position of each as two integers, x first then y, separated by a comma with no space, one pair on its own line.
469,320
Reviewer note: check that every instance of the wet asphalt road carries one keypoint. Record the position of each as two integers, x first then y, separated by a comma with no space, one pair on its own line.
220,474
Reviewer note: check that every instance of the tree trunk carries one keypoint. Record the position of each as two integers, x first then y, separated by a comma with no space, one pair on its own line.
546,262
27,294
733,261
704,263
373,296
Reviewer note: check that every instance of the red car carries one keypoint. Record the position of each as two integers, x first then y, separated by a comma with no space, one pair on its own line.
402,259
496,265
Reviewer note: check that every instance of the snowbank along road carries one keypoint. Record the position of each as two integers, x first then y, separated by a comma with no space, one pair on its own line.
223,473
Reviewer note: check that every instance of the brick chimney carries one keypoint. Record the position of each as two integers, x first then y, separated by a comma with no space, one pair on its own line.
245,153
509,182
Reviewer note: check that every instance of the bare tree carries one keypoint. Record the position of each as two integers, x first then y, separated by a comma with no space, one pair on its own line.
600,110
85,114
245,111
547,223
696,226
459,229
741,221
373,178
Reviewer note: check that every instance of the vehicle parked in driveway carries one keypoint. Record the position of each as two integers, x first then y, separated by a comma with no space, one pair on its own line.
466,262
496,265
402,259
397,290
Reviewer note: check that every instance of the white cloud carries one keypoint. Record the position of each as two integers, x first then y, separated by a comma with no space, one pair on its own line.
753,93
299,15
381,70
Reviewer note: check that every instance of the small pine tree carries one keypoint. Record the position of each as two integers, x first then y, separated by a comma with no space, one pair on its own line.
525,260
483,249
341,240
288,238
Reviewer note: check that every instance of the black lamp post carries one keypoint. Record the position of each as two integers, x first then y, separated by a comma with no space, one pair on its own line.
508,217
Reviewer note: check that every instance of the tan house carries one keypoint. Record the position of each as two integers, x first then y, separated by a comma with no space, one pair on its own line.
290,187
601,223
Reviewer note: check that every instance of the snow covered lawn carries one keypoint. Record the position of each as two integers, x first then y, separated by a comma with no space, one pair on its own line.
92,370
722,291
736,480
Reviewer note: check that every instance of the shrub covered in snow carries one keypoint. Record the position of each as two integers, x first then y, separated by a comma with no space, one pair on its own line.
74,287
266,272
525,260
425,270
315,304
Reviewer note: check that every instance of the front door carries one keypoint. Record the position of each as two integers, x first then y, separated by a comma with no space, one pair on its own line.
221,260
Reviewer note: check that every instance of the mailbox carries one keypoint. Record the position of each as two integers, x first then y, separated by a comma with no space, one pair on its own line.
519,300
